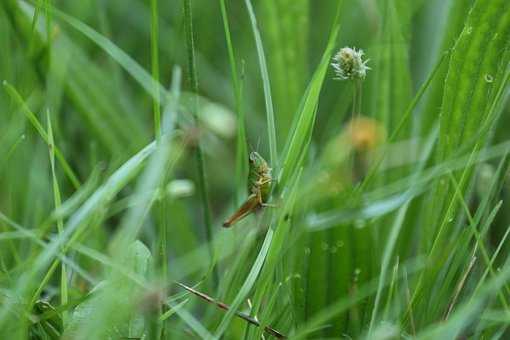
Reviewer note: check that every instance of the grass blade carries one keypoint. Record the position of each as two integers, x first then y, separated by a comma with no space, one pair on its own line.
271,129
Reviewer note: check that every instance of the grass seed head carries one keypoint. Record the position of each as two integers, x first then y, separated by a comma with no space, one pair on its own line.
348,64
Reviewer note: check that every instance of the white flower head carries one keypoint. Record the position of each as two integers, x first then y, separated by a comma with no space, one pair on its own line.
349,64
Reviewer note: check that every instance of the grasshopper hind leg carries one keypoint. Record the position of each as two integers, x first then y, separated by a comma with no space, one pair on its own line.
249,206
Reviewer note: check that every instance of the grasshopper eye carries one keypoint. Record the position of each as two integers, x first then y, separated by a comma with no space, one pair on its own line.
253,156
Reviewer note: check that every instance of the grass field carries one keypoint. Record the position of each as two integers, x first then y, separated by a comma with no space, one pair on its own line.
125,133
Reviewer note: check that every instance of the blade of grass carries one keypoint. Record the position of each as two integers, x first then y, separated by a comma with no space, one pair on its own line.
64,295
172,311
388,251
35,18
299,139
78,197
459,287
457,13
271,129
47,14
191,321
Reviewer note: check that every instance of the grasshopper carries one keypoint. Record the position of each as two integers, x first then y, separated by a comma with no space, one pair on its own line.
259,188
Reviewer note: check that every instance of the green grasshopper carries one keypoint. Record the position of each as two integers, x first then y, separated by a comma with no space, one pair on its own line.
259,188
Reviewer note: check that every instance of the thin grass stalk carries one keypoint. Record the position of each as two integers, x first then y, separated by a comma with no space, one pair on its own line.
156,108
226,307
202,183
155,68
356,166
359,85
241,148
48,16
37,10
64,294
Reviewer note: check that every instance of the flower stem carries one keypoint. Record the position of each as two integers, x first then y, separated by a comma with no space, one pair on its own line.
359,90
354,100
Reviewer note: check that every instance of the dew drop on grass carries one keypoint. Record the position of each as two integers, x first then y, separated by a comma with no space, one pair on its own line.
339,243
324,246
307,251
469,29
489,78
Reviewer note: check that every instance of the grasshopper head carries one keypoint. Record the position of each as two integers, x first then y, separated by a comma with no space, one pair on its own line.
258,163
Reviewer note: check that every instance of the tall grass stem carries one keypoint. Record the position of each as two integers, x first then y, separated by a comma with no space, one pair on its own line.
202,183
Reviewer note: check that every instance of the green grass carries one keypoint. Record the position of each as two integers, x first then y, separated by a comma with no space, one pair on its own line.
125,129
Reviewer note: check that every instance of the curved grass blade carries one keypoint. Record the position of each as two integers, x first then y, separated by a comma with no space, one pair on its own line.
271,129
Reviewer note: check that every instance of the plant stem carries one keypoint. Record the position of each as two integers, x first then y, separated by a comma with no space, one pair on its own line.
226,307
241,150
155,68
356,167
64,294
192,76
359,96
159,331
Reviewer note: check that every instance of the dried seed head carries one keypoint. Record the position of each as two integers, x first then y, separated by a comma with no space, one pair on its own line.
349,64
